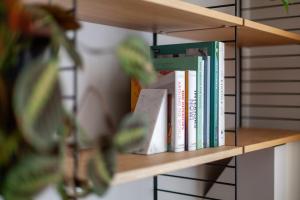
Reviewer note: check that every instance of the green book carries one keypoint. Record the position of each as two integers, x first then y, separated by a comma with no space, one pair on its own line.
201,48
193,134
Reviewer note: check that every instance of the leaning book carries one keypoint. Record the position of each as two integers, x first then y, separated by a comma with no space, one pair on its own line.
174,82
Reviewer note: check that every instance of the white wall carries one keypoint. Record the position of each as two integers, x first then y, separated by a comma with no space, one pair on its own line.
285,107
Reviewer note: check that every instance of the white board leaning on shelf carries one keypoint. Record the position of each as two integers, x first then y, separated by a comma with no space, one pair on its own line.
153,104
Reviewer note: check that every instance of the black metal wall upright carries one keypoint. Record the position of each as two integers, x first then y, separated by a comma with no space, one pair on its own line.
73,97
237,116
155,195
75,86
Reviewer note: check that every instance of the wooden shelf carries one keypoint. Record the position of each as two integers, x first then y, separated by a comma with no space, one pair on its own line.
249,34
133,167
258,139
178,18
151,15
256,34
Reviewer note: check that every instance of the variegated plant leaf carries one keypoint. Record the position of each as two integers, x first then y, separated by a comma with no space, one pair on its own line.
4,102
31,175
58,36
132,132
101,167
135,59
9,144
37,104
72,125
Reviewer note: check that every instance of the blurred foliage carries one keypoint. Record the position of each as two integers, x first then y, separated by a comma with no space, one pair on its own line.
131,132
286,4
34,126
135,59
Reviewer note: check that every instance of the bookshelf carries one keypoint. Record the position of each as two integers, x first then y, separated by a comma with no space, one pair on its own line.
181,19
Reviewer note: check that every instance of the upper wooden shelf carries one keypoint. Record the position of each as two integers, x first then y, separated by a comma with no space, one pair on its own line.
249,34
151,15
257,34
253,139
178,18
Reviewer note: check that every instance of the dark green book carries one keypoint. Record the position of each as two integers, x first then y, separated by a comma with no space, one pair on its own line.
201,48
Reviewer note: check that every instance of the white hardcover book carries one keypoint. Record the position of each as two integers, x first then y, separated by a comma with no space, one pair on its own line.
191,83
174,82
153,104
221,131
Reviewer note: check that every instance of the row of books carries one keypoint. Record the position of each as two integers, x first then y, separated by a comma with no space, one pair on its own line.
193,76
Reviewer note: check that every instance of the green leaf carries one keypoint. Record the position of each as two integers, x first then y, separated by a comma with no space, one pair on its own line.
132,132
71,124
286,4
4,102
9,47
135,58
62,191
40,92
101,167
9,144
31,175
58,36
37,104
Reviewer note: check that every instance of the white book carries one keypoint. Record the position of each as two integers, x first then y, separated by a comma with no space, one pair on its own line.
191,109
221,131
174,82
153,104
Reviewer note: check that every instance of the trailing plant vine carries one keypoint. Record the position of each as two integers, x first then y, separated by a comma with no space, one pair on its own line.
34,125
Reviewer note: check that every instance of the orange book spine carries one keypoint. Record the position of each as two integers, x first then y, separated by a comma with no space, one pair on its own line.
135,92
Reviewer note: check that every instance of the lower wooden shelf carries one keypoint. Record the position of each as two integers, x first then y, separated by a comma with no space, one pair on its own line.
253,139
131,167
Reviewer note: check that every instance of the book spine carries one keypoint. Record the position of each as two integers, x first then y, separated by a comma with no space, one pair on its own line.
187,137
207,102
134,94
191,103
215,99
169,121
221,126
200,105
179,118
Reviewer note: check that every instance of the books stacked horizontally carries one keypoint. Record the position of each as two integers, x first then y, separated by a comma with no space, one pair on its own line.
192,75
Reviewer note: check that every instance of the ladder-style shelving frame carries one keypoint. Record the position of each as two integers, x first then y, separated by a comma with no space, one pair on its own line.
181,19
